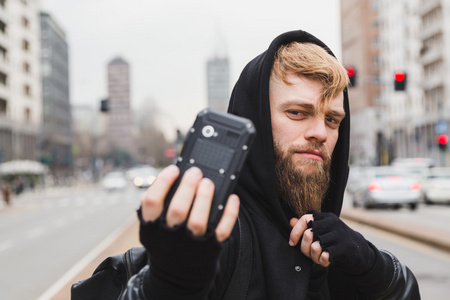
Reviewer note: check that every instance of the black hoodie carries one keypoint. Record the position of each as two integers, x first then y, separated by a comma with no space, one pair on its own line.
277,271
283,271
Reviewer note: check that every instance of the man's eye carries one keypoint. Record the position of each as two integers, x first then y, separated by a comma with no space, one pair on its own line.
333,121
296,113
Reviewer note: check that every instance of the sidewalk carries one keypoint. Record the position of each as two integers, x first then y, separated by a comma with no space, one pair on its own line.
39,192
430,236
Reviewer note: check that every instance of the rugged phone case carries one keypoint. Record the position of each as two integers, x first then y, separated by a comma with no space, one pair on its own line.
218,144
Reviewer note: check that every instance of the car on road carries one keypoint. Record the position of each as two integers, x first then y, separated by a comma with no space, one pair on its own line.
436,186
114,180
388,186
144,177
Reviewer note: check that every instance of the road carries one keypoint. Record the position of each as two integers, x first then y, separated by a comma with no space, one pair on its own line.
46,233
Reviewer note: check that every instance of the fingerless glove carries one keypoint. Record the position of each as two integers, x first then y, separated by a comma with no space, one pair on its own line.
184,261
349,250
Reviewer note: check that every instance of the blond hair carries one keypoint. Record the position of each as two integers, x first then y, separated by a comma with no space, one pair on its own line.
313,62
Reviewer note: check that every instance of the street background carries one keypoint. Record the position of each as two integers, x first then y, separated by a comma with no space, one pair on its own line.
59,236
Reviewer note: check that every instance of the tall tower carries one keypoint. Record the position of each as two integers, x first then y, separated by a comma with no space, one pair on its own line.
119,128
218,75
56,133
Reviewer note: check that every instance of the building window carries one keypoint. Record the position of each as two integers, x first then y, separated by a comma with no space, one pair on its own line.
25,45
3,107
27,115
27,90
2,26
25,22
2,3
2,53
26,67
3,78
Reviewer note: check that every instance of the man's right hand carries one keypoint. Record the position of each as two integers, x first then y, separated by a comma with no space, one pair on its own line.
191,202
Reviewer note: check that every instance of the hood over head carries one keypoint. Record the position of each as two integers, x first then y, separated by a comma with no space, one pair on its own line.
250,99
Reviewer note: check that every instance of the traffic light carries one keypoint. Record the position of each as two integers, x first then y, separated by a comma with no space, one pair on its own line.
442,141
104,105
351,72
399,81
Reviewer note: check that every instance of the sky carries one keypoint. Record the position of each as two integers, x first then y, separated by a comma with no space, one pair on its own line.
167,44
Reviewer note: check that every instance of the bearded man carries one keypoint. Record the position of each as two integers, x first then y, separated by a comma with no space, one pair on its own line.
288,242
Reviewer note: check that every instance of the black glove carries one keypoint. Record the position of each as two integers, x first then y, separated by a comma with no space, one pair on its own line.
349,250
177,256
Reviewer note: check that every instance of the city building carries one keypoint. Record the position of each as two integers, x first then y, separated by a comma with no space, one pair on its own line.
56,134
404,121
360,51
435,61
20,80
398,48
218,79
119,129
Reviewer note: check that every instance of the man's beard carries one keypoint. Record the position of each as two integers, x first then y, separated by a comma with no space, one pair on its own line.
302,191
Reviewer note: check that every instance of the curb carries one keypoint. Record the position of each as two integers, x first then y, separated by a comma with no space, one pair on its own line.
433,237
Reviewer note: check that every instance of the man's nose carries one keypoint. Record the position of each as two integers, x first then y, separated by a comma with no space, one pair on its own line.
317,130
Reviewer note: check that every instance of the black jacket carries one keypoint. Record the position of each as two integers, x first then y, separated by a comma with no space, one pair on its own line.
276,270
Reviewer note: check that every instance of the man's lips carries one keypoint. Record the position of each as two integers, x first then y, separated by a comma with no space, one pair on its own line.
311,154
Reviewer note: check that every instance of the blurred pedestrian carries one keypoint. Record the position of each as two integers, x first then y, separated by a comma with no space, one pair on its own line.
288,242
6,192
19,185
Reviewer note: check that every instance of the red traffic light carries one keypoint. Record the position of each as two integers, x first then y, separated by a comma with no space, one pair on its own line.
399,76
400,81
442,139
350,71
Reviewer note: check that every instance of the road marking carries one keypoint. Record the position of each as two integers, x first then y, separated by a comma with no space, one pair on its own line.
98,202
59,222
80,202
35,232
77,268
6,245
76,215
64,202
113,201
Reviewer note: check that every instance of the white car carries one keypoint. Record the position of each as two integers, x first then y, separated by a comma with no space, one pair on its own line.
114,180
436,187
389,187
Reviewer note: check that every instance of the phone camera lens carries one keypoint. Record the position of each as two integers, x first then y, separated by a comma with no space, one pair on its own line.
208,131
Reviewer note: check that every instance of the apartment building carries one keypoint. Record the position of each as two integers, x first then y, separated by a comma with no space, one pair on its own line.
20,85
56,134
435,64
360,50
405,124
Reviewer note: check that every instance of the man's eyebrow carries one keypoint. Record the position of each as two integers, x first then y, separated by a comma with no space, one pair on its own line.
336,113
299,104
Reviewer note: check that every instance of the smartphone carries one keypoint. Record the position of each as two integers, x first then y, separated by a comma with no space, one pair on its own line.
217,143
